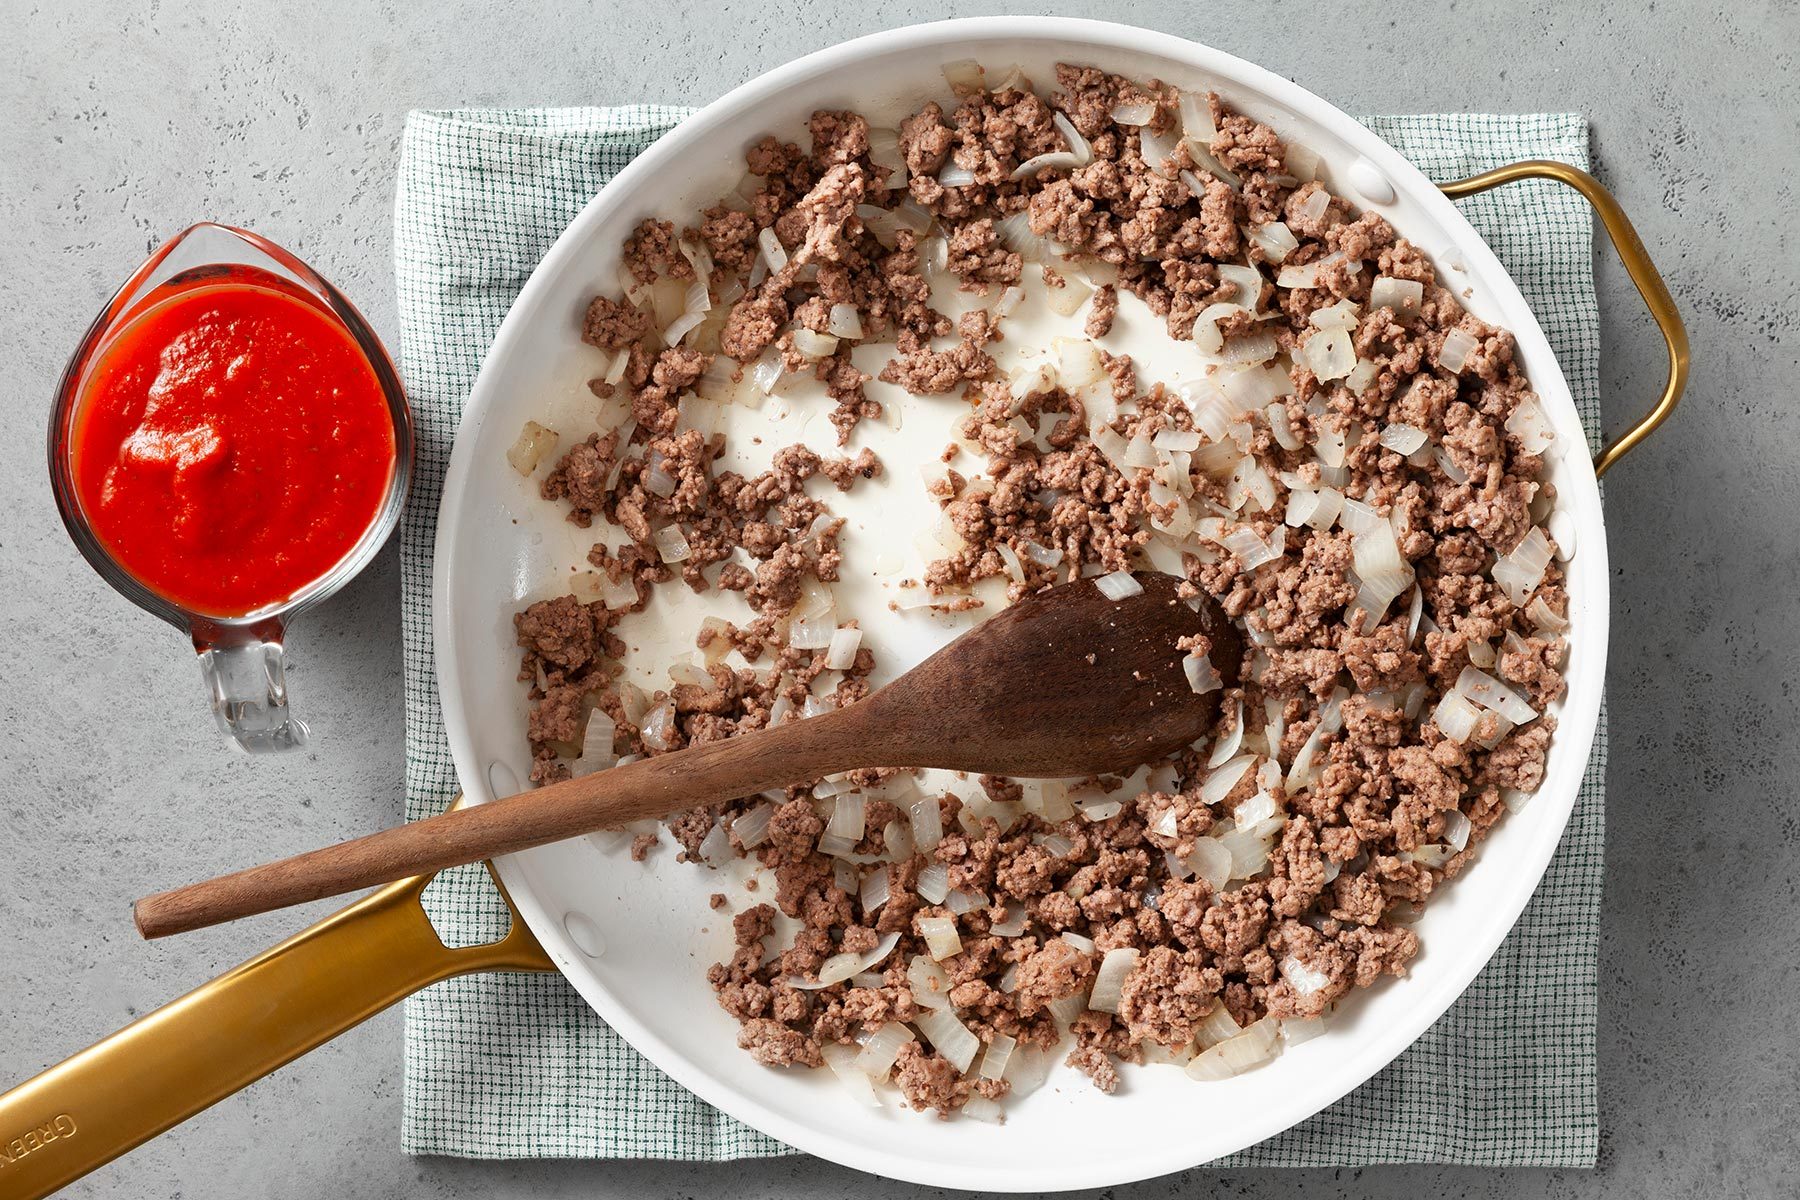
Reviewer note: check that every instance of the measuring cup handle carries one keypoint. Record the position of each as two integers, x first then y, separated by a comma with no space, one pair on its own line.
247,680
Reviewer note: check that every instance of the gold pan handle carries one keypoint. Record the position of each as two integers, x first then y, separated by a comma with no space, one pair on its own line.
1630,249
225,1035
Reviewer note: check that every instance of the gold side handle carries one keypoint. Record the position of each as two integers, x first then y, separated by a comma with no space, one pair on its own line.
225,1035
1643,272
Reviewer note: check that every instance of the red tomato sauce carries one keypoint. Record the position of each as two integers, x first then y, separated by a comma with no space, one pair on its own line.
231,445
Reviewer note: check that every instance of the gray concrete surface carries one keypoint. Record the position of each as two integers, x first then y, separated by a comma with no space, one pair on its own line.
121,122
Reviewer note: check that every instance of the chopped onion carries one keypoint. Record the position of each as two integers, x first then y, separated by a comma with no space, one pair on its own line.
1258,808
1447,465
1306,275
1249,851
1250,551
1302,505
715,847
1206,326
1211,861
1250,348
848,823
1060,159
949,1037
1096,811
840,651
845,322
874,891
1109,982
1228,743
1404,296
1361,376
1158,152
658,725
1431,854
1078,145
811,633
752,825
1078,363
1248,281
1456,830
995,1058
1545,617
840,967
1118,585
1518,573
1176,439
1081,943
1378,564
1300,771
773,253
814,345
657,481
1249,482
1402,439
896,840
1529,424
596,745
941,939
1218,785
1216,1026
953,175
1494,696
1274,239
1196,117
1331,504
1015,232
1453,356
1329,354
842,1060
534,444
1302,978
979,1108
1302,162
1011,924
1135,113
1202,677
1282,426
815,599
884,151
882,1048
933,883
1067,1008
964,73
671,544
1414,613
962,903
1254,1046
929,985
1455,717
1065,300
927,824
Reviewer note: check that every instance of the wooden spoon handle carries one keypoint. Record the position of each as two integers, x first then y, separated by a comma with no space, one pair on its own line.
705,774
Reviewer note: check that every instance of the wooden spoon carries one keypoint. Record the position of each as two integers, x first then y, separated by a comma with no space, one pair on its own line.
1064,683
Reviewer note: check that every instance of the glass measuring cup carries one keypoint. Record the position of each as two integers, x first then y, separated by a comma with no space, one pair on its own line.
241,654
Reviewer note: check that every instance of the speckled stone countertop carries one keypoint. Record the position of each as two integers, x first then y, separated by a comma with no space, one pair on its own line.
126,121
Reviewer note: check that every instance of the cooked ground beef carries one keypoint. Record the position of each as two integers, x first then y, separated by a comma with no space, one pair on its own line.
1362,777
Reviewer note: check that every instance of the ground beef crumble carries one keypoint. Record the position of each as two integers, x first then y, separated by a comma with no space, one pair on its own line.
1352,800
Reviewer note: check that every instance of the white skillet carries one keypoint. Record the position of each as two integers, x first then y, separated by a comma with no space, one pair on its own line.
654,934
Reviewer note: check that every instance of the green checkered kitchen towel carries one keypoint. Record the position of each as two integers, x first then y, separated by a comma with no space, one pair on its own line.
517,1066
